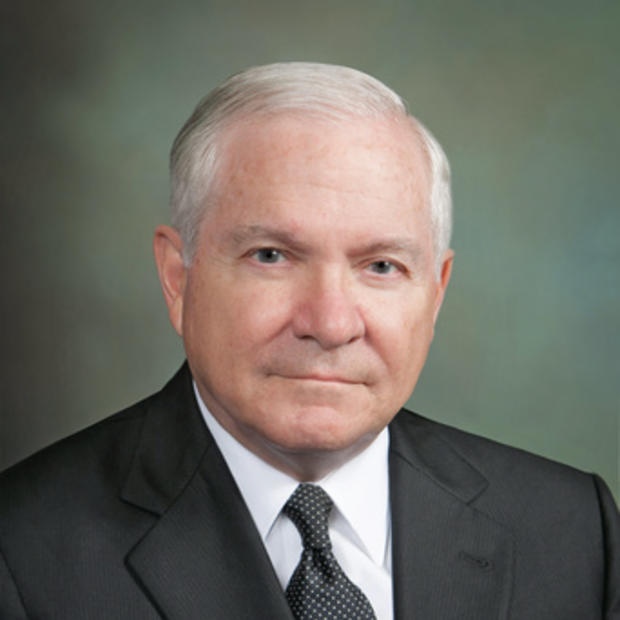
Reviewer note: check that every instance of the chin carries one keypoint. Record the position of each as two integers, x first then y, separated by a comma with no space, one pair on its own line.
323,429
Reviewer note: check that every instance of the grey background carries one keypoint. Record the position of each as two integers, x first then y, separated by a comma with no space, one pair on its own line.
523,96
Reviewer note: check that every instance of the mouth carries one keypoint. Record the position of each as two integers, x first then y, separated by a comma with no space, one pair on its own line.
321,378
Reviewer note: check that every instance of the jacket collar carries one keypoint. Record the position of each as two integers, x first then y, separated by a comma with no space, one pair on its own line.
202,557
450,560
172,444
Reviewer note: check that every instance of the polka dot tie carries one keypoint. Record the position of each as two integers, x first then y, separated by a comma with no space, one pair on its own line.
319,589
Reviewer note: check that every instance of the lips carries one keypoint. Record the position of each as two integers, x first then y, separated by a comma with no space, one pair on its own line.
322,378
337,369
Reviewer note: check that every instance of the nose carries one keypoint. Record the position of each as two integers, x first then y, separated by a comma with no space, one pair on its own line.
327,311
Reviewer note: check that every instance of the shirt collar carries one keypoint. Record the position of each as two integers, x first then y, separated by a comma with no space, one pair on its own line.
359,488
360,491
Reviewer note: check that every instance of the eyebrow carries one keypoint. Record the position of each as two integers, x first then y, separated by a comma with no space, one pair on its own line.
245,234
399,245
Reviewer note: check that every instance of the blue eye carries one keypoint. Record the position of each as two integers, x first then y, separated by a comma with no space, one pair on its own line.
268,255
382,267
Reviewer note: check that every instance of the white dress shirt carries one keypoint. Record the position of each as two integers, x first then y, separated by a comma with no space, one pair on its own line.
359,523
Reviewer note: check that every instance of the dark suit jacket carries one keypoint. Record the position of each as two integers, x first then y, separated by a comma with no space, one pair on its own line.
138,517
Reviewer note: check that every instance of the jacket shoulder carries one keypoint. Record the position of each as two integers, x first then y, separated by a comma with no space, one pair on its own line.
536,497
103,450
70,465
501,464
563,524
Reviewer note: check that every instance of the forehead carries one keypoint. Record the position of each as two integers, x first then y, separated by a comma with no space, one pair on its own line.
373,154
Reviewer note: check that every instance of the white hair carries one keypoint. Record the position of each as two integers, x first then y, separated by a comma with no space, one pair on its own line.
318,90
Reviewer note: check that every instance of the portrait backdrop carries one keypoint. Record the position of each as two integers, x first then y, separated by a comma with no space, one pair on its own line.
524,97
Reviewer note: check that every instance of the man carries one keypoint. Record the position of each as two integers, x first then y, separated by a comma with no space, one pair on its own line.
305,269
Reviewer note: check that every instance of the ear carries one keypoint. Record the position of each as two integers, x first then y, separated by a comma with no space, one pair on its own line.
444,278
168,250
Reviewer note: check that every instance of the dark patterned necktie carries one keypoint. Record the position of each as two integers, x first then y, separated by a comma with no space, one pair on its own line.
319,589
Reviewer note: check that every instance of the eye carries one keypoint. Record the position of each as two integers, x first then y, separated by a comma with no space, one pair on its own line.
268,255
382,267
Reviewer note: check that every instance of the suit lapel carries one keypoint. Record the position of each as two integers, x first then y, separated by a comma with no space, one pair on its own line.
203,557
449,559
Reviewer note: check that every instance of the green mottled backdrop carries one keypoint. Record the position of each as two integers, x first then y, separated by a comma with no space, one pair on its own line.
523,95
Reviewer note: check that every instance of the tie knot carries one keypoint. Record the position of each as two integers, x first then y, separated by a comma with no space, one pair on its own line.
308,508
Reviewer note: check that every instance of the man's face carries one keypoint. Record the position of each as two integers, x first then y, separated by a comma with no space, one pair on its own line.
309,307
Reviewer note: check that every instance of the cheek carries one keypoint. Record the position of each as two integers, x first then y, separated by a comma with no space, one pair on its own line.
258,313
235,320
401,333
